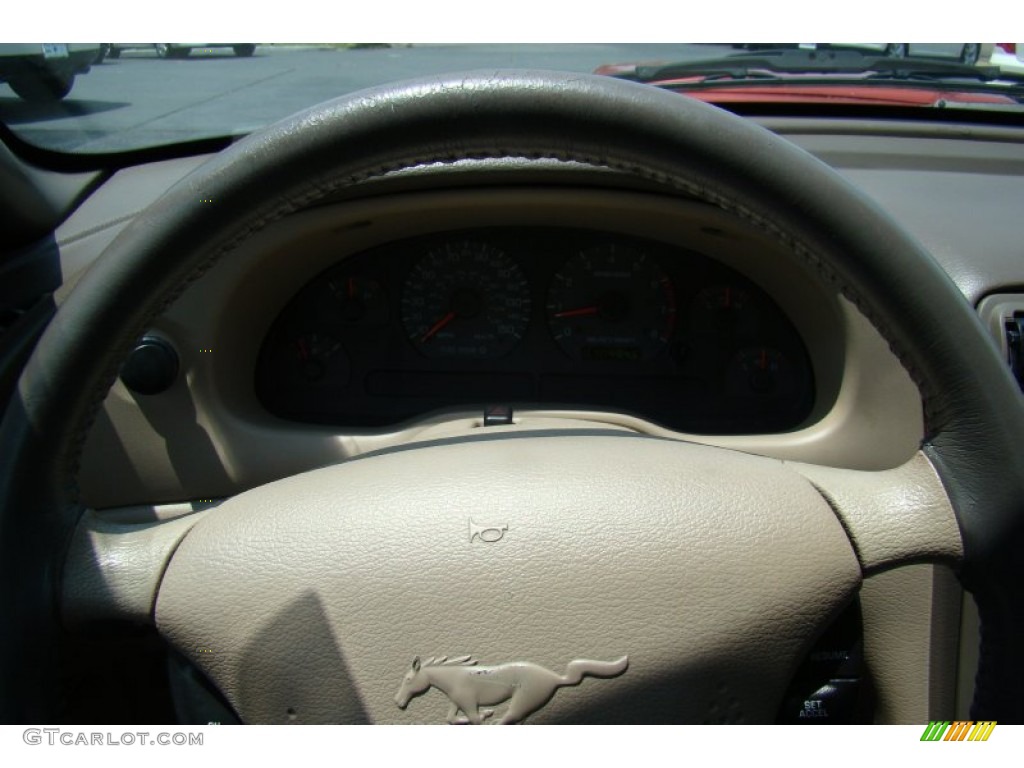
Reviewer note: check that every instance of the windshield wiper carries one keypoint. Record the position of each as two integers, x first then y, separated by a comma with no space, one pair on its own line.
769,65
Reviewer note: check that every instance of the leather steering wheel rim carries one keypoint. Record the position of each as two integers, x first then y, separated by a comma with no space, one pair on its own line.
973,413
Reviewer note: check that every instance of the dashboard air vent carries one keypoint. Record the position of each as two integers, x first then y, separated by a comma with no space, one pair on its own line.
1003,314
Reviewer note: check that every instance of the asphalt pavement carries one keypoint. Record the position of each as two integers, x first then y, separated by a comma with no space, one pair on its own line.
141,100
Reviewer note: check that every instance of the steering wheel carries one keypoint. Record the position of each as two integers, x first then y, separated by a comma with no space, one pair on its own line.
633,574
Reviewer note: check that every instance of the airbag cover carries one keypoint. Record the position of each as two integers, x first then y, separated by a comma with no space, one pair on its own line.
307,600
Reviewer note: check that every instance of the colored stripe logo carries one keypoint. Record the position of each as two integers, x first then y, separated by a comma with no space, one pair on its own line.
960,730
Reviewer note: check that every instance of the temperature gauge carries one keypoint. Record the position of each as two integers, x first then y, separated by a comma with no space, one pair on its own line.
355,300
724,310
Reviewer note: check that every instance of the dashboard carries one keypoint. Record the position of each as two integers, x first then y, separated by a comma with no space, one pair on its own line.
514,316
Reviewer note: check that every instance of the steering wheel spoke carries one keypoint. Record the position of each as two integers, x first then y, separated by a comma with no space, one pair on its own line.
892,517
113,569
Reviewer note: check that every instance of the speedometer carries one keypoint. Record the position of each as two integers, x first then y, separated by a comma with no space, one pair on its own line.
466,299
611,303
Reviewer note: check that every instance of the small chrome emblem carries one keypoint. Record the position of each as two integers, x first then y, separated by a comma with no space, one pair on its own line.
526,687
487,533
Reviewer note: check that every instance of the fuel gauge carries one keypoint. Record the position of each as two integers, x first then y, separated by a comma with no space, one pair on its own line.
760,372
317,358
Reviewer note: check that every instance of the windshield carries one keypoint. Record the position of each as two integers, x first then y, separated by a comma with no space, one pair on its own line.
117,96
144,94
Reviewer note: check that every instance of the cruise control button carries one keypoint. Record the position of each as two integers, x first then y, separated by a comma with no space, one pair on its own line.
834,703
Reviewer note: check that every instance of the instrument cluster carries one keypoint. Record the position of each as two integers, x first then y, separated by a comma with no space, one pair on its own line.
541,318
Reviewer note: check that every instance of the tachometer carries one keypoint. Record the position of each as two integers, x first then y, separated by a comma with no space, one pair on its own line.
466,299
611,303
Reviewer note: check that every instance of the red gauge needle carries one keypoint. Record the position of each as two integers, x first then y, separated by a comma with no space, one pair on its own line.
578,312
437,327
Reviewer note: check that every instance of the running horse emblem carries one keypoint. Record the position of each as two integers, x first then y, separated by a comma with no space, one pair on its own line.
526,687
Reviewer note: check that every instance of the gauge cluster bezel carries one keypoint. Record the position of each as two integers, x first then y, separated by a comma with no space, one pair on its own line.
866,413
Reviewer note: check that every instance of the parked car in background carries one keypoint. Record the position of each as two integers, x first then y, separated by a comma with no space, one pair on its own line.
177,50
45,72
968,53
1009,57
828,74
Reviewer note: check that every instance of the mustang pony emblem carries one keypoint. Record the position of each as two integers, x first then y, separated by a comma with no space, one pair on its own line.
526,687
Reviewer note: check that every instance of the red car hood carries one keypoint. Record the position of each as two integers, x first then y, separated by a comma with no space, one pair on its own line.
789,89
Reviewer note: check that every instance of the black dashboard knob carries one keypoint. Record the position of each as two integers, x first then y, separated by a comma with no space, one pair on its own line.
151,368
